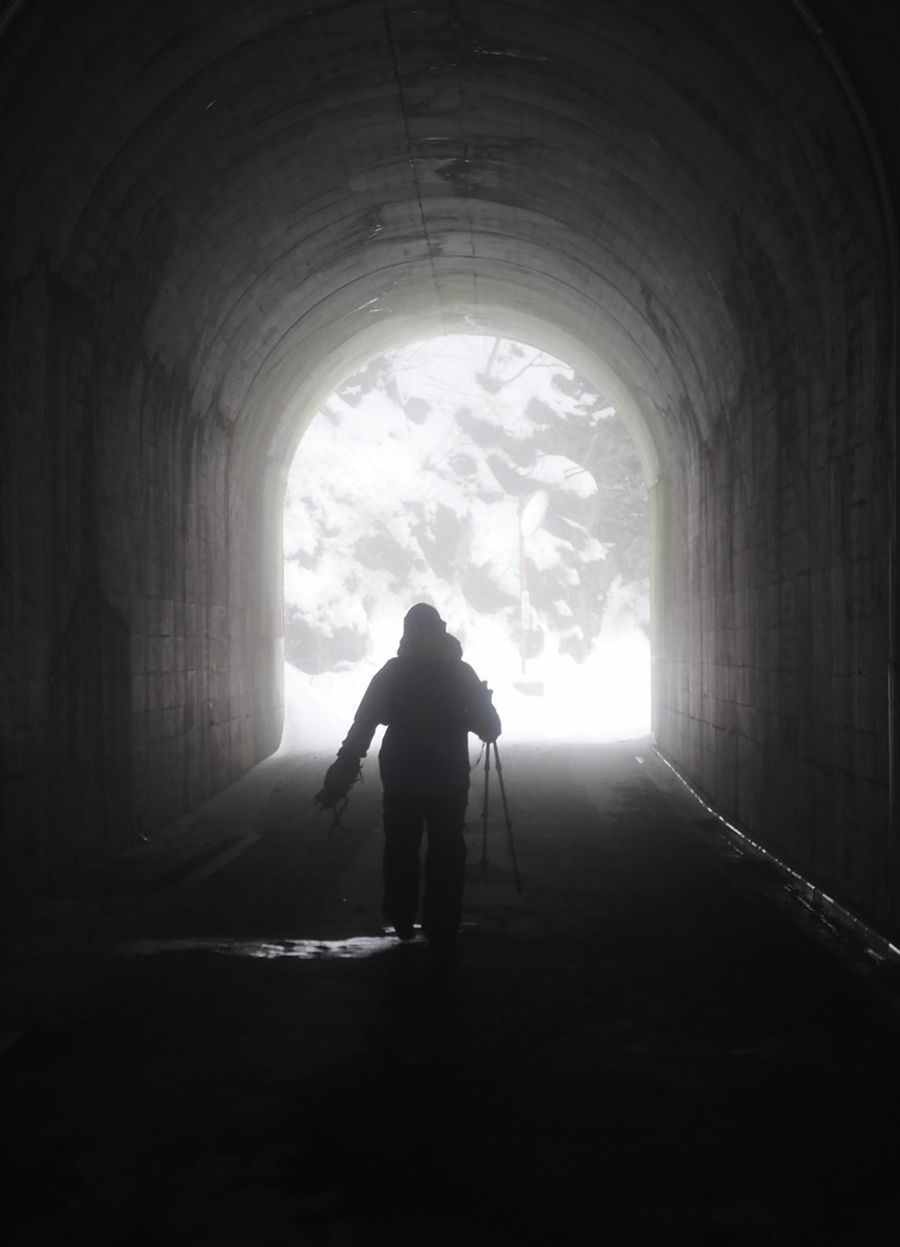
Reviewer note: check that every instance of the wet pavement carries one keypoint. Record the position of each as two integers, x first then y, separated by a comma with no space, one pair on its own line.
213,1040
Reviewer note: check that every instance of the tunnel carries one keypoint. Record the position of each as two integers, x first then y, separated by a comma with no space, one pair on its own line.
213,212
674,1015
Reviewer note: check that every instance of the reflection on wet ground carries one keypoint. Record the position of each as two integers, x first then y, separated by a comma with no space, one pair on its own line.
269,950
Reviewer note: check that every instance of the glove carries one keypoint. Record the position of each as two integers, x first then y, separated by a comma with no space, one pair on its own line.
339,779
488,726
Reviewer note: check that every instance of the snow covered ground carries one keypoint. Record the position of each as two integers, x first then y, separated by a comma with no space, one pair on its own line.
605,699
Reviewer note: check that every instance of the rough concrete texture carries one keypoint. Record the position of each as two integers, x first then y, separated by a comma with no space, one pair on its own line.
210,211
651,1044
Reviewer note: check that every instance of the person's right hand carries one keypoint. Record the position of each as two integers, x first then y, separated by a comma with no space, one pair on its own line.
339,779
327,798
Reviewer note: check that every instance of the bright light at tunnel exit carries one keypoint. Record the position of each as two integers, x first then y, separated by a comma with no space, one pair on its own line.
488,478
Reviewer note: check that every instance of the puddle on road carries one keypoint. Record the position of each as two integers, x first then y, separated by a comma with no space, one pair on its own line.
268,950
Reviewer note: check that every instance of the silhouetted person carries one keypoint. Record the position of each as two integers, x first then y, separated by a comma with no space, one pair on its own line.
430,700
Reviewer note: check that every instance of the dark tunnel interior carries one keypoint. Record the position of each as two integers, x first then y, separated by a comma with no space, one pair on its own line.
212,212
624,1012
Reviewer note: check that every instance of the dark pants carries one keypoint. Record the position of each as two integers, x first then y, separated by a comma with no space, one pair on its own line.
405,817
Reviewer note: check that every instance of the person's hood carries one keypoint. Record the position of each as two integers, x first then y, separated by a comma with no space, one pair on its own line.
430,647
425,636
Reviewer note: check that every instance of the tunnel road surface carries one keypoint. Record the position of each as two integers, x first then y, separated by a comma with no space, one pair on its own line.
212,1039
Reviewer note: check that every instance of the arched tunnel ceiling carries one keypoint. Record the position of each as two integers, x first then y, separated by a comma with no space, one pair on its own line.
299,397
238,191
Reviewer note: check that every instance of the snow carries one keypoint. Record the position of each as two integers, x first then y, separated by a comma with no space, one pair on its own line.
406,486
312,719
606,698
564,473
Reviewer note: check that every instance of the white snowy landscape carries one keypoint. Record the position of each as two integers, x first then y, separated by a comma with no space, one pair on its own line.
489,479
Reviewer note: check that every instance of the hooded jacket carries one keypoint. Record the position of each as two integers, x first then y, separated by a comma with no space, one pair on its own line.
430,700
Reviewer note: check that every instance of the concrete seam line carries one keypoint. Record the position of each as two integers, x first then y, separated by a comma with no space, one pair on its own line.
409,145
876,942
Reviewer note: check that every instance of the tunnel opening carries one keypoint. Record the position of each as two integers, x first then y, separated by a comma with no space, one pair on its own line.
486,476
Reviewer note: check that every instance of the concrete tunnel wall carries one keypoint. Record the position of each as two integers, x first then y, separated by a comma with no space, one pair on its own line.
209,210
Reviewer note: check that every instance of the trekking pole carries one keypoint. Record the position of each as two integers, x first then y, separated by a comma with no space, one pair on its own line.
512,847
484,810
